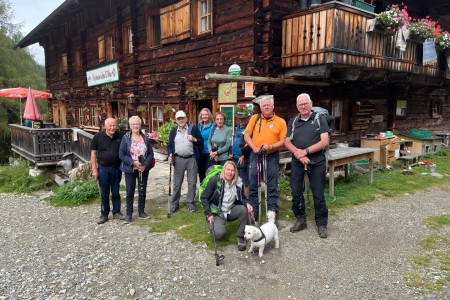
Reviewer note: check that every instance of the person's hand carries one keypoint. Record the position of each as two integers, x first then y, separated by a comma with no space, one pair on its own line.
249,208
190,138
170,159
211,219
264,147
95,174
241,160
304,160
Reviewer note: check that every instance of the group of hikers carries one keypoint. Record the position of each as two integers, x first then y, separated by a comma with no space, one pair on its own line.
245,160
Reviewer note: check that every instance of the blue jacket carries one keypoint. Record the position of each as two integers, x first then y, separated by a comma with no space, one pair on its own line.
125,154
237,138
193,130
205,130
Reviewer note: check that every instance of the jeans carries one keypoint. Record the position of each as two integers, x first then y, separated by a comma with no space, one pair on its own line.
272,169
317,177
109,181
130,181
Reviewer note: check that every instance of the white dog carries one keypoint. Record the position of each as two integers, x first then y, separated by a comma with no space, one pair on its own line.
260,237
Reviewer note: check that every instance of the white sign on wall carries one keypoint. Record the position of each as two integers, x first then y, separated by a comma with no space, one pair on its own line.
102,75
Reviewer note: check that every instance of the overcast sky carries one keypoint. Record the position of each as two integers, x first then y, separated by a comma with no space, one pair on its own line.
30,13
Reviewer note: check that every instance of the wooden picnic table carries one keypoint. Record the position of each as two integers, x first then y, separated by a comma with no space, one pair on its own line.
344,156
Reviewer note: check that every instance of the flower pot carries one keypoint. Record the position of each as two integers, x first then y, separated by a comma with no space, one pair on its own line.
413,37
375,26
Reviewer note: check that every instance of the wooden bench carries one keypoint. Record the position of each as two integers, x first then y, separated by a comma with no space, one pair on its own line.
410,160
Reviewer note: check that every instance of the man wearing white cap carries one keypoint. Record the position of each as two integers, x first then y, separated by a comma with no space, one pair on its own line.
184,142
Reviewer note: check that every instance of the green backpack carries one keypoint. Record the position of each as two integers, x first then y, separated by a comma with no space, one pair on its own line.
211,172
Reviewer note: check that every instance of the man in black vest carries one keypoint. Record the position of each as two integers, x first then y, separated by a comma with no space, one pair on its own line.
307,138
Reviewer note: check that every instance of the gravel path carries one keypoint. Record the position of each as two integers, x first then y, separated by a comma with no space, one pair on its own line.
61,253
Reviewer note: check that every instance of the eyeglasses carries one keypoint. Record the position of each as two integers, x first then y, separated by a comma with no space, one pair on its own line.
135,124
181,118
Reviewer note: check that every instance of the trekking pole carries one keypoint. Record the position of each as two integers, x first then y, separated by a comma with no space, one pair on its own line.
258,169
170,190
216,254
264,169
305,190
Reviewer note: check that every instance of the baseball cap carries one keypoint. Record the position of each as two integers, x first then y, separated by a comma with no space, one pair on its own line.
180,114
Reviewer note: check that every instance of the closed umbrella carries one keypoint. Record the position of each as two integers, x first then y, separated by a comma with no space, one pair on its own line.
20,93
31,111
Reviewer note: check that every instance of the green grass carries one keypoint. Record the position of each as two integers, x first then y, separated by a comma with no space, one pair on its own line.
433,263
15,179
75,193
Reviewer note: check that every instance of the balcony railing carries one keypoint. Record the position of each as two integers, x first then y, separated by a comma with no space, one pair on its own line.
335,34
46,146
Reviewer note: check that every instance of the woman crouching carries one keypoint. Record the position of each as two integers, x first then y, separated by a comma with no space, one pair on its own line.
223,200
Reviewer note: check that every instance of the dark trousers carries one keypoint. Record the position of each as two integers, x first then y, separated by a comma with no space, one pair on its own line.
238,212
272,181
203,165
317,177
130,181
109,181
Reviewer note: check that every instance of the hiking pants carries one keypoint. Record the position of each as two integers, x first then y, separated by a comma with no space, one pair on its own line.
317,176
180,166
130,182
238,212
272,182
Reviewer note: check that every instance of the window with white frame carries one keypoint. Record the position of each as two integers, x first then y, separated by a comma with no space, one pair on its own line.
106,48
128,39
157,117
205,16
436,109
400,110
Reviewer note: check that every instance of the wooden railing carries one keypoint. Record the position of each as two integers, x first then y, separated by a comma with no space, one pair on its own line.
46,146
335,33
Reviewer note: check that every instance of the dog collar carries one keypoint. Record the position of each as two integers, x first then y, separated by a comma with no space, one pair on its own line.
262,236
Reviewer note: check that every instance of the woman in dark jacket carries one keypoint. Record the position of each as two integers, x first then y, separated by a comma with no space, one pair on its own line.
223,200
136,154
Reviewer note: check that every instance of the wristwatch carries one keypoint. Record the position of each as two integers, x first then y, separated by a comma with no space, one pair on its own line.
307,151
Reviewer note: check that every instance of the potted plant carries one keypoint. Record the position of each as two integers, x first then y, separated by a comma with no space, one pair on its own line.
164,132
442,41
142,110
122,123
390,20
48,117
85,110
170,111
422,29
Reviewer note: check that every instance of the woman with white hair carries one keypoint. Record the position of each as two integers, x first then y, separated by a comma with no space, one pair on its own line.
136,154
223,200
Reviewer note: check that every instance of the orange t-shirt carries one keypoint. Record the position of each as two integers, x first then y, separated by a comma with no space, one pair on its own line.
266,131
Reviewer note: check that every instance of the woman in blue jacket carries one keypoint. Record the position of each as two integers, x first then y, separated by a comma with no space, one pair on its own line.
205,124
136,154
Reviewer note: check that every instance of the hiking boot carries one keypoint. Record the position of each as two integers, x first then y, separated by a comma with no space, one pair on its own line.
242,246
300,224
103,219
127,219
118,216
323,232
173,210
144,215
191,207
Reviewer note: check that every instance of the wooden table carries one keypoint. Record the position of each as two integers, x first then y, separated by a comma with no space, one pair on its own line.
344,156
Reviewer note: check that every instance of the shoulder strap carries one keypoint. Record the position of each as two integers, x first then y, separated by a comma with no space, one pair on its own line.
293,127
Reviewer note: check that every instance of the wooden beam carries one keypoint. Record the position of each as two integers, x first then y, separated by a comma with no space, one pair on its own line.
259,79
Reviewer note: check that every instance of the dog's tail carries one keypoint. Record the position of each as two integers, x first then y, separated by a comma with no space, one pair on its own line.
271,216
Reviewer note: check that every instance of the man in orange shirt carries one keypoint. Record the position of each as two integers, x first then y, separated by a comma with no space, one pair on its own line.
265,132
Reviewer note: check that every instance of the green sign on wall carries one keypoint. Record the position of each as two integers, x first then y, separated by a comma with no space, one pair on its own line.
228,110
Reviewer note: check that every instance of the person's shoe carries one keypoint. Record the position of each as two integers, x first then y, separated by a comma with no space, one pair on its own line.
191,207
300,224
127,219
102,220
323,232
242,246
144,215
118,216
173,210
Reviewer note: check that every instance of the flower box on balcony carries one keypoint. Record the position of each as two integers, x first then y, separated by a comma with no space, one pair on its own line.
376,26
363,5
411,36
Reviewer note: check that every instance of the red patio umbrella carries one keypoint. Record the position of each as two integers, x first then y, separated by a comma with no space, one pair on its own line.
31,111
20,93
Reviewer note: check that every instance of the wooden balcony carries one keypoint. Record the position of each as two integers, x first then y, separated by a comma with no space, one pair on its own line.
330,41
46,146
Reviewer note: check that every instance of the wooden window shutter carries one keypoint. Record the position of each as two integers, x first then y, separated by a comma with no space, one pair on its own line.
101,48
175,22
